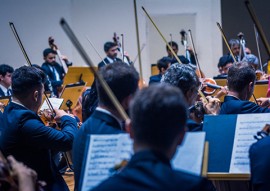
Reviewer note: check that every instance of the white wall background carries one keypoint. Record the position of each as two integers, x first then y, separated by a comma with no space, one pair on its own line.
36,20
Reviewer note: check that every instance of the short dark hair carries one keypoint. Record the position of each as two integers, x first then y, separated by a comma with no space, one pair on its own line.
181,76
108,46
4,69
47,51
240,75
224,60
25,79
163,63
121,78
158,114
172,43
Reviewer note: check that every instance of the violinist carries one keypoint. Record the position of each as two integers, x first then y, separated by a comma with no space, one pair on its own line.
162,65
111,49
24,134
184,77
241,81
5,80
53,69
106,119
235,47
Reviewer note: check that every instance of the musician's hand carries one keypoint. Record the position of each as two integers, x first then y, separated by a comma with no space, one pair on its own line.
263,101
266,129
190,50
59,114
222,92
63,57
26,176
212,106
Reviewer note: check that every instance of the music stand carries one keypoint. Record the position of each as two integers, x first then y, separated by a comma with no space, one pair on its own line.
79,74
71,94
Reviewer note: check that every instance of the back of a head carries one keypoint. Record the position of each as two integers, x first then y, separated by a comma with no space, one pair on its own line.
121,78
251,59
163,63
25,79
108,46
182,76
4,68
240,75
158,114
172,44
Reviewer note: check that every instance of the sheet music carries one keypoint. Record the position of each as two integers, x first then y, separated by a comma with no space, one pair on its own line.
247,125
189,155
56,103
105,151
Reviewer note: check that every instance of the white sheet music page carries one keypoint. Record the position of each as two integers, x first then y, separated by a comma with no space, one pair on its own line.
56,103
105,151
189,155
247,125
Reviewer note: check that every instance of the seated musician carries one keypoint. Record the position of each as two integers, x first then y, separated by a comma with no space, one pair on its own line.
158,117
53,69
162,65
182,58
259,155
241,82
5,80
123,81
224,63
24,134
185,78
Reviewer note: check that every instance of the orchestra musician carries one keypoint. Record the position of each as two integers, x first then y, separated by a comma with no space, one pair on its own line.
162,65
225,62
111,49
184,77
123,81
5,80
24,134
54,70
241,82
158,117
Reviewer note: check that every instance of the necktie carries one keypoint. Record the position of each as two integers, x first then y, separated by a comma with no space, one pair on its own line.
9,92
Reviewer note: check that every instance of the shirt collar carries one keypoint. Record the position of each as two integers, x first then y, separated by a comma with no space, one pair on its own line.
109,113
4,89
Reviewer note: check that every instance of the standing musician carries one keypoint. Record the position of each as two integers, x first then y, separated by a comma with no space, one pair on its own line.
123,81
53,69
5,80
24,134
241,82
235,47
111,49
184,77
158,117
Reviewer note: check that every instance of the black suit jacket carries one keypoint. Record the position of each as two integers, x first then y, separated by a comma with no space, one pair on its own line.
55,83
26,138
98,123
101,64
259,155
232,105
149,170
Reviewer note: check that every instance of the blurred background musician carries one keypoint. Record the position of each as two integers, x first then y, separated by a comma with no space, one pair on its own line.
163,64
24,134
5,80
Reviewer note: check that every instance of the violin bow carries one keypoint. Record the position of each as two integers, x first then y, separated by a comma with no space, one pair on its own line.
12,26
